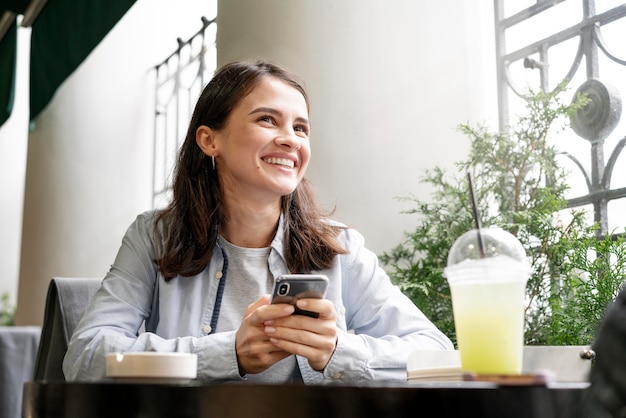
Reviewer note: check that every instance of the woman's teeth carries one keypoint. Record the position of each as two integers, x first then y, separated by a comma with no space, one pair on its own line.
279,161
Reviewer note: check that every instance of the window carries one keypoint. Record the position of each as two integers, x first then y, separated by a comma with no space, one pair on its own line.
541,43
180,79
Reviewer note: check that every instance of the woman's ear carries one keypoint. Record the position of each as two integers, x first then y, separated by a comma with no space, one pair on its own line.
205,138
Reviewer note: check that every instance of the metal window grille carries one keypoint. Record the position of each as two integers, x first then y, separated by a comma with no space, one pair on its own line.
576,42
180,79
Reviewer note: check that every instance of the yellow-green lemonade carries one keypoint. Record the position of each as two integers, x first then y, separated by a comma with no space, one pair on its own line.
489,322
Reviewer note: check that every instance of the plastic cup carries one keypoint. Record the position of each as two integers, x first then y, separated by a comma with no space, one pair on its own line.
488,300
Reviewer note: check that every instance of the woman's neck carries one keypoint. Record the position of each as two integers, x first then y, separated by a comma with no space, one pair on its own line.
250,227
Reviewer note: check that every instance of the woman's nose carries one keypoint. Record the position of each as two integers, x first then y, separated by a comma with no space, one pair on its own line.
289,139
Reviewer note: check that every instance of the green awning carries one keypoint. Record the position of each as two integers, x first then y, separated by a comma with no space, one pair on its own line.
63,35
64,32
8,54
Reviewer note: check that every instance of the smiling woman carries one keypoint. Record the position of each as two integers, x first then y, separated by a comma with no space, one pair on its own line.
269,128
199,272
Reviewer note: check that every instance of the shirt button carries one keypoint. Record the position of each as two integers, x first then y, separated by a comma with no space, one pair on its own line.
338,375
342,310
207,329
218,275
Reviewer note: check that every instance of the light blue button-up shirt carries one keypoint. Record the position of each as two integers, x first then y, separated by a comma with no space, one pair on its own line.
378,326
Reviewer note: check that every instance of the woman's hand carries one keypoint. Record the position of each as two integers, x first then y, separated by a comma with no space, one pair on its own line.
312,338
255,352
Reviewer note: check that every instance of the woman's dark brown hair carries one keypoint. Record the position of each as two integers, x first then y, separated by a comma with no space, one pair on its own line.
186,230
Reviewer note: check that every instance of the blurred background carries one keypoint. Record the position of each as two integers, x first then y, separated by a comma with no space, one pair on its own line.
389,83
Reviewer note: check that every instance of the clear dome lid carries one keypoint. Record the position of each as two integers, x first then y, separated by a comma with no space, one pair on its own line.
495,241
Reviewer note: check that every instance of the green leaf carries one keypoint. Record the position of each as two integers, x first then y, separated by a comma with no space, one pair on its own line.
520,187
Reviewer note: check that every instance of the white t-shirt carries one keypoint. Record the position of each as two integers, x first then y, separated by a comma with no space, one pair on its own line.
247,279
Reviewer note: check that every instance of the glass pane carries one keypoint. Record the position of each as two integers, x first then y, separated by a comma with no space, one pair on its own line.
551,21
555,62
617,212
180,80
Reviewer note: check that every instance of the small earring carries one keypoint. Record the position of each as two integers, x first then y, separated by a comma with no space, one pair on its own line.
213,161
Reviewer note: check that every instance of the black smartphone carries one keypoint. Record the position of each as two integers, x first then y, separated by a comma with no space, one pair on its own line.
289,288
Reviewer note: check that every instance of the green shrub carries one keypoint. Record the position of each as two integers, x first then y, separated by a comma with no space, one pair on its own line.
521,188
7,312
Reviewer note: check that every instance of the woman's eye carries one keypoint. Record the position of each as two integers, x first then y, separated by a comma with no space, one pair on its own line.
266,118
301,128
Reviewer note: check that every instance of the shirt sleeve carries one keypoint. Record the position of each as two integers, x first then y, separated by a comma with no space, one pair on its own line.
114,318
384,325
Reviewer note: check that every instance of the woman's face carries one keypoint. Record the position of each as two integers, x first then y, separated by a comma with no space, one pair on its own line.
263,151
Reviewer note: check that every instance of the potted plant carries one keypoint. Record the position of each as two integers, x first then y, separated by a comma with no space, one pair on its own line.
519,187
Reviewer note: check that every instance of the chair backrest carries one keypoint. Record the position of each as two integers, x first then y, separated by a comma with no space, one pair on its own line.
66,302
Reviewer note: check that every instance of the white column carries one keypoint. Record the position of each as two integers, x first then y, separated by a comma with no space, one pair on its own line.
389,83
13,151
90,153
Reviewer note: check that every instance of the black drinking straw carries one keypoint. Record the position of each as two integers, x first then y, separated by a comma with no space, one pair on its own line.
481,246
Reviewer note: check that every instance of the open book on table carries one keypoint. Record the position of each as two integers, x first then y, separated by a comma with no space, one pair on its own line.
434,365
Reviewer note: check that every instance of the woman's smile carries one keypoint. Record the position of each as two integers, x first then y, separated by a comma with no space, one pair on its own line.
283,162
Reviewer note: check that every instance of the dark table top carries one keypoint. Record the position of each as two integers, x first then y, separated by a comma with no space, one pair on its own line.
443,399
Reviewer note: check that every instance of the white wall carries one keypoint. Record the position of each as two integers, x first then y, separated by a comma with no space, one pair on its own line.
90,152
13,148
389,82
